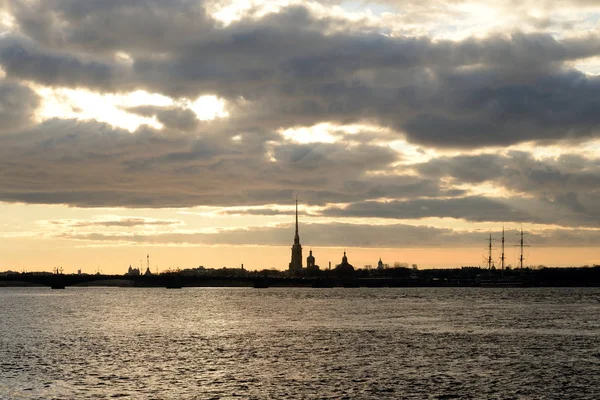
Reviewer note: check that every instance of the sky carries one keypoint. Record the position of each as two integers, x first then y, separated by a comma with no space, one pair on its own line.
408,130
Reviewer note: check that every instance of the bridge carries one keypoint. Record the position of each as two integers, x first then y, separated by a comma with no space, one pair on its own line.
177,281
547,277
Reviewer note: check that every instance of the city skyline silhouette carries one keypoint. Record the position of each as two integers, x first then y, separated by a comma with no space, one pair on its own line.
186,129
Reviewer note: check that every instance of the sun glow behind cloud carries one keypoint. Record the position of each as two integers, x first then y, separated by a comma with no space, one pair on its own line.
314,134
353,163
234,10
113,108
328,132
208,107
108,108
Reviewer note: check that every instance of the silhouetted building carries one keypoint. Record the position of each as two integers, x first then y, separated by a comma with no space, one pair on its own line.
147,273
296,263
310,260
311,267
133,271
344,268
380,265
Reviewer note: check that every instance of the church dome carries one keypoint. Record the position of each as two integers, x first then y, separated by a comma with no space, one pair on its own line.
345,267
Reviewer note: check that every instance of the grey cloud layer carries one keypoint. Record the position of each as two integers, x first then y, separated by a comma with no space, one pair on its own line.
563,191
91,164
351,235
104,26
292,71
21,58
17,106
115,223
567,188
470,208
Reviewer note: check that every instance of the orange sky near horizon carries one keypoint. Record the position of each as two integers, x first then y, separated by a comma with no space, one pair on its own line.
187,129
35,255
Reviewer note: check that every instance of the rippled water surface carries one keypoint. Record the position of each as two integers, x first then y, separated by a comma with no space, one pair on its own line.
205,343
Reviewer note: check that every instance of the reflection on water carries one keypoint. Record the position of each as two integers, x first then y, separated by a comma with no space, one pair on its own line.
203,343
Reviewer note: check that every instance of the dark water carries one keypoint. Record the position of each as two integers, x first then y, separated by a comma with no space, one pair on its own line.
200,343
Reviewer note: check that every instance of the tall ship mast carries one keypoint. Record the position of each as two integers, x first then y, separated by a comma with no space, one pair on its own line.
521,246
489,259
521,256
502,257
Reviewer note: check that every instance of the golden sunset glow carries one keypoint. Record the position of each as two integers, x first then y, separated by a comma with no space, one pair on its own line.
409,131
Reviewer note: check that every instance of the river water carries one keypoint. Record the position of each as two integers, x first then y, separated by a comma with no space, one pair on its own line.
218,343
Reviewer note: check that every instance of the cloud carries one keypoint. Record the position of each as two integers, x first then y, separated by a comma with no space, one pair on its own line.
18,104
473,208
263,212
484,112
490,92
23,59
291,70
519,171
91,164
561,190
173,118
120,222
103,26
348,235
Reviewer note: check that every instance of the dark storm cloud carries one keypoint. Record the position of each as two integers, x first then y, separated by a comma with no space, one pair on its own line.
23,59
91,164
105,26
182,28
477,111
17,105
292,69
416,86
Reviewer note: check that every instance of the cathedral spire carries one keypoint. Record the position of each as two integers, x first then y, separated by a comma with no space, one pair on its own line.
296,262
297,235
296,216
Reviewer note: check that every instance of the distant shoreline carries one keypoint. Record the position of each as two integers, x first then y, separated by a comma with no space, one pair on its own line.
392,277
336,284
